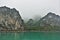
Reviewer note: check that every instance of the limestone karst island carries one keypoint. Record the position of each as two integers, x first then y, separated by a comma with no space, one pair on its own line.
11,20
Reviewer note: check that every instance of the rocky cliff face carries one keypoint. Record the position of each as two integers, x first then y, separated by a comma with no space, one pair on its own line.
50,19
10,19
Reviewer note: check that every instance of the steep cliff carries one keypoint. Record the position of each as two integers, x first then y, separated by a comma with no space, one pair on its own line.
10,19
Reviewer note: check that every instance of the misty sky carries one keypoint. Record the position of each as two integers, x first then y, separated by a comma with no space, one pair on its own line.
31,8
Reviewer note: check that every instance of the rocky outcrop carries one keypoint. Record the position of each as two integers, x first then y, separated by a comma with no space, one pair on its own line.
10,19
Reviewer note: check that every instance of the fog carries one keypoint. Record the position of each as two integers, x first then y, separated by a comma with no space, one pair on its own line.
30,8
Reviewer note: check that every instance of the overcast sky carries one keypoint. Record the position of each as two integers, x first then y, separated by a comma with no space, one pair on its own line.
30,8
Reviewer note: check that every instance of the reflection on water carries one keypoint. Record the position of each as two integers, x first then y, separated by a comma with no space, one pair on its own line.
30,36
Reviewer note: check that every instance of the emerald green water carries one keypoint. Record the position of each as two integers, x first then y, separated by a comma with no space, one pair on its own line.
30,36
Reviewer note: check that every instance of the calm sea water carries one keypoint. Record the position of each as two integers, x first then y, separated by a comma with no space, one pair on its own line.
30,36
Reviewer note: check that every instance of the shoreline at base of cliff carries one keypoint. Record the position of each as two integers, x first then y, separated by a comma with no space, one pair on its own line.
29,31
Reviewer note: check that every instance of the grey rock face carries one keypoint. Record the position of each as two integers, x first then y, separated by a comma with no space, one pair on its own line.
10,19
50,19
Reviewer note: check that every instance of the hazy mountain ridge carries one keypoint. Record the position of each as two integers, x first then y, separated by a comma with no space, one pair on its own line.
50,22
51,19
